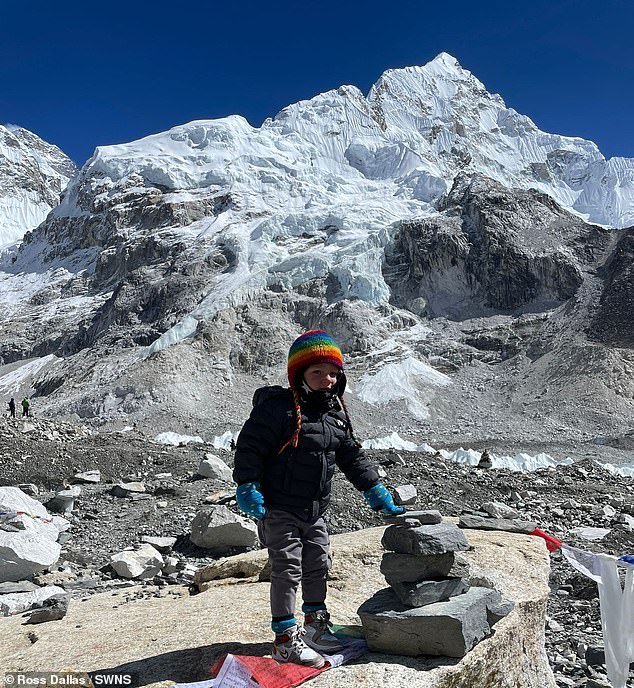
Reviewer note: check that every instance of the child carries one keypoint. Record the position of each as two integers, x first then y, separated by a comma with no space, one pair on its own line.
284,464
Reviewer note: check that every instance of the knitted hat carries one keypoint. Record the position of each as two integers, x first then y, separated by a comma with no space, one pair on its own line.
311,348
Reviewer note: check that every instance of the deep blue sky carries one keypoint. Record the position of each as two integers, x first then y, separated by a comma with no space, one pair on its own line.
83,74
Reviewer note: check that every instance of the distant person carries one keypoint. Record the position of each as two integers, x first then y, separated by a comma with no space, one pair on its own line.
284,464
25,407
12,407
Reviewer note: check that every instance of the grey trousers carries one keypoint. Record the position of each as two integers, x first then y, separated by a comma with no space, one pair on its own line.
298,552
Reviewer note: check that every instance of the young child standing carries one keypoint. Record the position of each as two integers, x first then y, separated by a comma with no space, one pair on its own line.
285,460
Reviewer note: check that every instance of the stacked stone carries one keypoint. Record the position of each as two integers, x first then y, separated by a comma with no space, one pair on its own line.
430,607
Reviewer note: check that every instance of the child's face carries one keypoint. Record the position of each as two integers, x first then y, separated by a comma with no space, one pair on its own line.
321,377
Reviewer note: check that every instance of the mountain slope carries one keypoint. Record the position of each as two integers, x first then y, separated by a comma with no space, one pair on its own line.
436,233
33,174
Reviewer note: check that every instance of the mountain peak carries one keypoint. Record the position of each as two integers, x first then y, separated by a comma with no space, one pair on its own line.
33,173
446,60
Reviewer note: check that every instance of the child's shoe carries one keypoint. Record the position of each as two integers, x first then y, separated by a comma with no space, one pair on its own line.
317,633
290,647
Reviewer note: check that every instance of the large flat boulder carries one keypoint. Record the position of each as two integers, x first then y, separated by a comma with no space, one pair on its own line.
177,639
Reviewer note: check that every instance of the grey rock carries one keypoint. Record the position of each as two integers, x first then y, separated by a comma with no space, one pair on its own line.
18,602
213,466
500,510
90,477
429,591
498,610
221,497
590,533
127,489
431,539
60,523
218,528
88,583
140,497
64,500
29,488
412,568
426,517
55,577
485,460
171,565
627,520
449,628
162,544
595,656
405,494
482,523
143,562
53,608
32,548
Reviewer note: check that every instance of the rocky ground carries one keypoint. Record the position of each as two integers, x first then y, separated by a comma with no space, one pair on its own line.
46,454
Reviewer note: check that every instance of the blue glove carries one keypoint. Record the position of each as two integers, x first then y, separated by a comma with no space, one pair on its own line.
379,499
250,500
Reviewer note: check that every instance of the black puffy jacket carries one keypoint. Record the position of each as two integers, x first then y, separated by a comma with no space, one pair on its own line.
299,478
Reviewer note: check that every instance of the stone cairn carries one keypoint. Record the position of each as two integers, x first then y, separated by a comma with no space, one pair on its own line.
430,607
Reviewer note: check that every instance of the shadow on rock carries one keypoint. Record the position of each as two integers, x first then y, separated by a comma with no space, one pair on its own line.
195,663
182,666
421,663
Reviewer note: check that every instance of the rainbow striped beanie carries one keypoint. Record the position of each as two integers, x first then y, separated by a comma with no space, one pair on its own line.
311,348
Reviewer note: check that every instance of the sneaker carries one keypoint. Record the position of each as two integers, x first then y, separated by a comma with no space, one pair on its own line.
318,636
290,647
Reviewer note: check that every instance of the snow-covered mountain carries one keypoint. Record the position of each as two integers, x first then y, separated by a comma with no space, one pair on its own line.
33,174
438,234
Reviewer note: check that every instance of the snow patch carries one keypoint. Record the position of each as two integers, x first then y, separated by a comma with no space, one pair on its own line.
11,381
174,439
224,441
180,332
409,380
395,441
626,471
520,462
